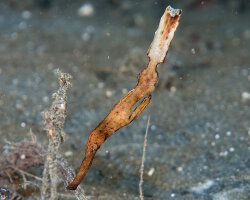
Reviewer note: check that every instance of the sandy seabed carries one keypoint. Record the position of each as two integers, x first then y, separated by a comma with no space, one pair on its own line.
198,143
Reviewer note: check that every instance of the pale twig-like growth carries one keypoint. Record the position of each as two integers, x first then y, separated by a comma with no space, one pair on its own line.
122,113
143,159
30,153
54,120
55,166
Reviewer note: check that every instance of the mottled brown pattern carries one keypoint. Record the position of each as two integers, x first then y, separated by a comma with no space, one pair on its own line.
122,114
168,22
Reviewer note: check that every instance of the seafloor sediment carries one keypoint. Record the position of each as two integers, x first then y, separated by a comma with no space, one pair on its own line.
198,143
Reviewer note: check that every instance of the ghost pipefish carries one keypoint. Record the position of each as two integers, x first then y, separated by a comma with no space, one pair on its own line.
122,114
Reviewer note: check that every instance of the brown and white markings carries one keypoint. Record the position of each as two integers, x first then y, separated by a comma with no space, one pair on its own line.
122,114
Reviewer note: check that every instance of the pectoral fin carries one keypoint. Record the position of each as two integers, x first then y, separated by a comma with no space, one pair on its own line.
139,109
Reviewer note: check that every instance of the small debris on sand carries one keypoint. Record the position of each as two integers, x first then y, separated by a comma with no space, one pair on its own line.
86,10
201,187
245,96
151,171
